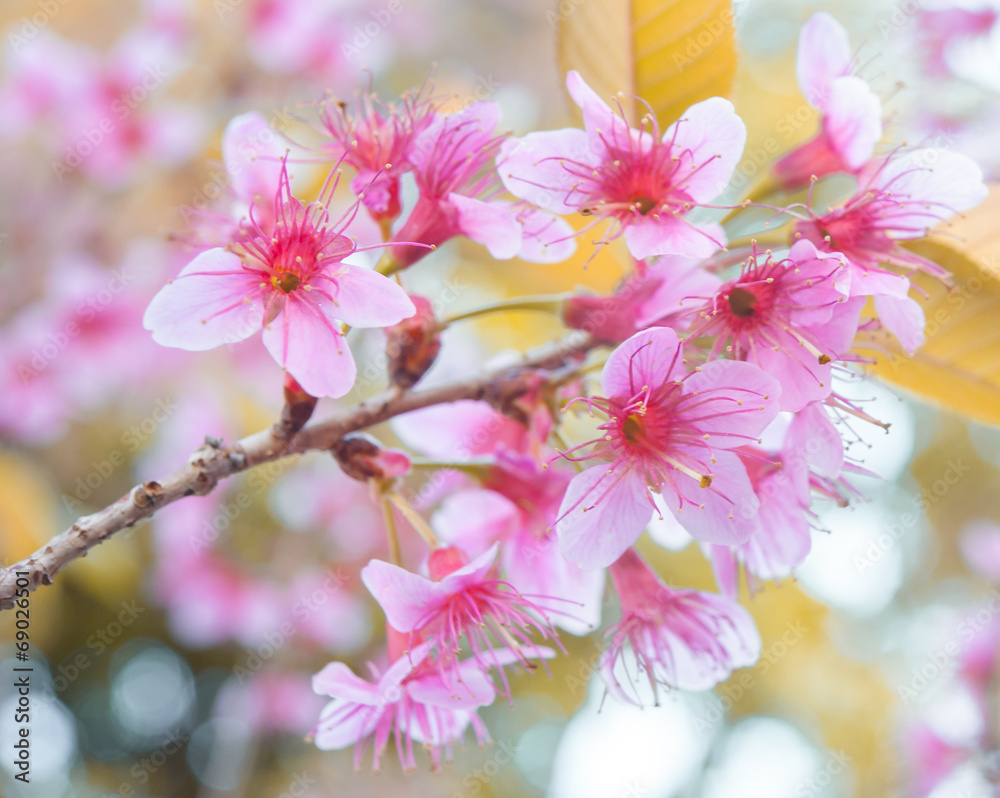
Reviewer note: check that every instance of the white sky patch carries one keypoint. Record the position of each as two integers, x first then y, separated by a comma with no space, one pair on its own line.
857,567
765,758
627,752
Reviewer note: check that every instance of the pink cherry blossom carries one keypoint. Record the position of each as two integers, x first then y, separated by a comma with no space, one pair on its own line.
409,701
375,139
463,599
292,281
517,506
811,459
851,123
905,196
782,537
683,639
668,430
654,295
788,317
644,184
452,160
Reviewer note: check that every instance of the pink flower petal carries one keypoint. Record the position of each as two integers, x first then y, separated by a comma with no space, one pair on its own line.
720,384
595,535
933,185
802,377
532,169
904,318
602,124
213,301
724,512
670,235
536,566
252,156
339,681
366,298
471,688
853,120
405,597
341,725
474,519
308,344
545,238
709,139
824,54
493,226
648,358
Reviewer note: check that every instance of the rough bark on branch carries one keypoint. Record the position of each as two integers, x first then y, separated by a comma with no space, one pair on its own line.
213,462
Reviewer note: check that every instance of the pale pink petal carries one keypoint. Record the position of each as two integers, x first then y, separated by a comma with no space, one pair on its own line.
251,153
904,318
493,226
595,535
853,120
665,530
802,377
308,344
824,55
365,298
709,139
536,566
342,724
723,386
782,539
474,519
459,430
837,334
470,688
860,281
930,185
724,512
685,285
814,441
213,301
602,124
405,597
737,634
471,573
726,568
672,235
532,169
339,681
545,238
648,358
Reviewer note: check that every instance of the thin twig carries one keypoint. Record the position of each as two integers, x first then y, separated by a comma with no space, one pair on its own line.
213,462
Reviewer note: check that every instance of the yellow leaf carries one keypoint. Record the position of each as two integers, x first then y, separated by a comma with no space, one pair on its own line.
671,53
959,365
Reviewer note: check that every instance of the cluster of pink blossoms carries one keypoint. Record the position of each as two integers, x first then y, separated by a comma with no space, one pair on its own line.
718,405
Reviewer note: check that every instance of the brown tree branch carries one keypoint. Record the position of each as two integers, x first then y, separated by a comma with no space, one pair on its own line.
213,462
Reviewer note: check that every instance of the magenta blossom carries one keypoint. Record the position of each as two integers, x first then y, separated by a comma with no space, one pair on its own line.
905,197
375,140
668,430
452,160
291,280
851,123
410,702
644,183
517,505
788,317
462,599
683,639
